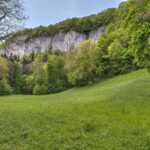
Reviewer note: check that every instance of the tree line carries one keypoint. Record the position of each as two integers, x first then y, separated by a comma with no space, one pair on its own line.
123,47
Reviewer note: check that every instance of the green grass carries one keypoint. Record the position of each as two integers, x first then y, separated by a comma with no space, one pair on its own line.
111,115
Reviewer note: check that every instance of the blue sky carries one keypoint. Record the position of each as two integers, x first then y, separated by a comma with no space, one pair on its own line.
46,12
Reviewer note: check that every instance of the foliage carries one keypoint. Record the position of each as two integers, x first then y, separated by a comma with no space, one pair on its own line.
5,88
28,84
40,77
115,58
49,74
11,17
56,76
18,78
3,67
40,89
82,69
140,44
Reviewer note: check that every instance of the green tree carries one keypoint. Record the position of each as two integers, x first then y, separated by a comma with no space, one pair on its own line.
5,87
28,84
11,16
121,61
56,76
83,66
140,44
18,78
40,86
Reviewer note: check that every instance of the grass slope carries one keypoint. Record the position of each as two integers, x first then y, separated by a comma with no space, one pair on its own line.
113,114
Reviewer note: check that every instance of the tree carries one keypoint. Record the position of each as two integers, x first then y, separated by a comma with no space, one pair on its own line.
114,54
11,17
56,76
140,45
116,50
83,65
121,61
5,87
18,78
40,87
28,84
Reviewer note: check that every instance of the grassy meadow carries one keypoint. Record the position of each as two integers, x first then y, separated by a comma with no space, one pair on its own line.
111,115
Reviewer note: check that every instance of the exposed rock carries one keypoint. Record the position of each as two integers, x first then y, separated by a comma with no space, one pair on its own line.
68,41
95,34
62,41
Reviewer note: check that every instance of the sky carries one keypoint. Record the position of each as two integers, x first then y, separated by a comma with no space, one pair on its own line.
46,12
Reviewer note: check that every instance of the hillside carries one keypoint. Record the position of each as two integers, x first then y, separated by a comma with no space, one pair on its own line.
112,114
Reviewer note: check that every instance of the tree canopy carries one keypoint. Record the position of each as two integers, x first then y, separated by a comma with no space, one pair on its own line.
11,17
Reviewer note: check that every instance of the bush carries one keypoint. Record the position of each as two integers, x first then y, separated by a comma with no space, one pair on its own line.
40,90
28,84
5,88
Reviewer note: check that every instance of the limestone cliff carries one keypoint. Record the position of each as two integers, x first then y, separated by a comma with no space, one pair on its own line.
61,41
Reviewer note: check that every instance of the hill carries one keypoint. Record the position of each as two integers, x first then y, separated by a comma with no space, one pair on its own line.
112,114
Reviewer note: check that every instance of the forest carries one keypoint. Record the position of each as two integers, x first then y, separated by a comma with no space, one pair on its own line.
123,47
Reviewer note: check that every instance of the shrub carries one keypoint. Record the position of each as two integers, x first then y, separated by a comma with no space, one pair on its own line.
5,88
40,90
28,84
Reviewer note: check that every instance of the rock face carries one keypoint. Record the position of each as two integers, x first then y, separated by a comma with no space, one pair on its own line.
61,41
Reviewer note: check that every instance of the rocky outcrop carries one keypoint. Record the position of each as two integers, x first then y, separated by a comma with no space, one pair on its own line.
61,41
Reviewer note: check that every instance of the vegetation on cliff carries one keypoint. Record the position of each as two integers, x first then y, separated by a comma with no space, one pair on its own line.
81,25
